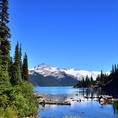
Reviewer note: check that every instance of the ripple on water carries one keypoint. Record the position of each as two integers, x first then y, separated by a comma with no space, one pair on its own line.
84,109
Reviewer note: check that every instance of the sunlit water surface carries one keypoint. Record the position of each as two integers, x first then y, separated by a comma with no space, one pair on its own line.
87,108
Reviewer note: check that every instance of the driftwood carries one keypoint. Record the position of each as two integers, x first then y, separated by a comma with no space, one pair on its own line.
43,100
57,103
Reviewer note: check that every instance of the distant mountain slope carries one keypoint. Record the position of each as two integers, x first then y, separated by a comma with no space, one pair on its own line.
39,80
44,75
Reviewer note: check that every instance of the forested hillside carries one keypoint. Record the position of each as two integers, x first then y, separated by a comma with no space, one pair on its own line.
16,93
104,81
112,80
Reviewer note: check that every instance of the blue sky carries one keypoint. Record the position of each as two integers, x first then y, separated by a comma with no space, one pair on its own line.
82,34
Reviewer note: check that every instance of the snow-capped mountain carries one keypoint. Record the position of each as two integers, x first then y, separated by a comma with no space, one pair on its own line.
47,70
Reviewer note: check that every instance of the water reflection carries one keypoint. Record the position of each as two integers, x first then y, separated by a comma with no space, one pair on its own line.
88,107
115,108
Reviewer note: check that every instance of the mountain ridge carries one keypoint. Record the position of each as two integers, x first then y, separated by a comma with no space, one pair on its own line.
62,76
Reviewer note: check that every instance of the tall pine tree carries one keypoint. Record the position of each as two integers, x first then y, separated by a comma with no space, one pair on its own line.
25,68
20,52
4,45
16,69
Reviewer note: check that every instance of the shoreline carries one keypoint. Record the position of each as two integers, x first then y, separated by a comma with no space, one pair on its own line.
43,99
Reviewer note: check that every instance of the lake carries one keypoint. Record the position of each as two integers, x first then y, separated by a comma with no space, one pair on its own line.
86,108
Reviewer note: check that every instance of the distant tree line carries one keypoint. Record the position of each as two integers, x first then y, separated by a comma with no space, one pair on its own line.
103,80
112,79
16,94
85,82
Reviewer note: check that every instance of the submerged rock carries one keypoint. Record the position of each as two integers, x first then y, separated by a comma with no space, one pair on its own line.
105,99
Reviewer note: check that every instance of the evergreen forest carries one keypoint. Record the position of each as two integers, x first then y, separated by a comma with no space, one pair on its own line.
17,98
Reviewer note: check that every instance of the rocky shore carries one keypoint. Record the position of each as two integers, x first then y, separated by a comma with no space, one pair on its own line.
44,99
103,99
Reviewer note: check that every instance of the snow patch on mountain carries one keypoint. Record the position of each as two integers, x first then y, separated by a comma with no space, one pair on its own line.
47,70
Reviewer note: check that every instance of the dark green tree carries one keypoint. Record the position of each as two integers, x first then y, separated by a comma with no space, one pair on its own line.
10,63
16,70
4,45
91,80
25,68
20,52
14,100
113,69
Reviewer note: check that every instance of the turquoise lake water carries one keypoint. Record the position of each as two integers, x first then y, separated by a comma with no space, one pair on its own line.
87,108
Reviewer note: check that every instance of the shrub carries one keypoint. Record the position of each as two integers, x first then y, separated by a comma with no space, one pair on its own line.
23,100
8,113
19,100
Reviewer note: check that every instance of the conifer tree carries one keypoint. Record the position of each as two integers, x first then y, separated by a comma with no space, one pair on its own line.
113,70
20,52
91,80
115,67
4,44
14,100
10,63
25,68
16,70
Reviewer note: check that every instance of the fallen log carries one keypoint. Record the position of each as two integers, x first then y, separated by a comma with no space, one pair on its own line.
56,103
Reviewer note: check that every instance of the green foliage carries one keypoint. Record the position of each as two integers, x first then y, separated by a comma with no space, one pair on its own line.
25,73
109,81
16,69
102,79
16,96
4,46
112,80
8,113
21,98
106,82
85,83
15,75
20,53
3,100
21,94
